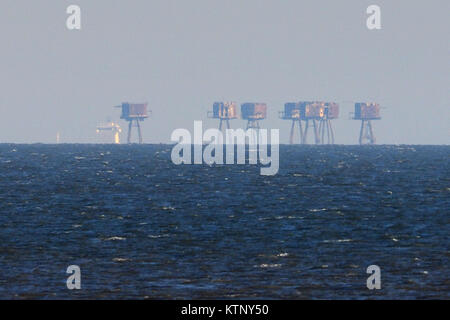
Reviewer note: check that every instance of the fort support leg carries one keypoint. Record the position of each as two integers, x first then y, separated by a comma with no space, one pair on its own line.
316,133
227,136
253,124
320,124
331,131
130,126
371,135
323,123
300,129
327,125
361,132
305,135
291,137
139,131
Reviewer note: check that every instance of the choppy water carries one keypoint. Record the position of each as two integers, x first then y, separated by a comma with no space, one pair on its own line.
139,226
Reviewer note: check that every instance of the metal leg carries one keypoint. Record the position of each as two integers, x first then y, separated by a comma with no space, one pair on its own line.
320,131
372,136
300,129
253,124
305,135
323,131
139,130
316,133
291,138
330,140
361,132
332,133
130,125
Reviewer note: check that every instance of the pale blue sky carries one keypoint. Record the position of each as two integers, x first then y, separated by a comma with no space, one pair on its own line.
181,56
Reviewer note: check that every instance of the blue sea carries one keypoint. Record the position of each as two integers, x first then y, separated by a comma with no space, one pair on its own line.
139,226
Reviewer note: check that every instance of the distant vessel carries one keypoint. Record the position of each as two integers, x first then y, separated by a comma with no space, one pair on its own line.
112,127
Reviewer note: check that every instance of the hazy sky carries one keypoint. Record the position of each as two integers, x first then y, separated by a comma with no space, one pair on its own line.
181,56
